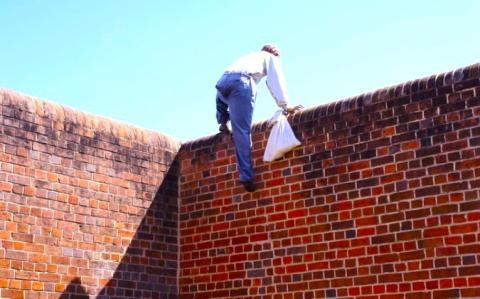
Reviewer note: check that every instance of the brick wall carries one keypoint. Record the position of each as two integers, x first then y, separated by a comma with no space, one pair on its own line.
88,206
380,201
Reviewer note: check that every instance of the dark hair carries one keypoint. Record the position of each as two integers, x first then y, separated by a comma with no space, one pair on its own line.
269,48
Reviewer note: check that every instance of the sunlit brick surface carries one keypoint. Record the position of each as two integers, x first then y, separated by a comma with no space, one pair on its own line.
381,201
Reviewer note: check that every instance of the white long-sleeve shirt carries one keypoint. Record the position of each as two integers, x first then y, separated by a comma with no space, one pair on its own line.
259,65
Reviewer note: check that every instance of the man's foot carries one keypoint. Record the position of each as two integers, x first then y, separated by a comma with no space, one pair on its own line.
224,128
248,185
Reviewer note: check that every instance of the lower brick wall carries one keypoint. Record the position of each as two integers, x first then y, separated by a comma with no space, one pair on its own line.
380,201
88,206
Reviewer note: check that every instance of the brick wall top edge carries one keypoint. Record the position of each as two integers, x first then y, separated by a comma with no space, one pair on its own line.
366,99
63,115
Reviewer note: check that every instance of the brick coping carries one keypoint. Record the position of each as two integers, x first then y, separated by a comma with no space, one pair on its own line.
90,124
457,78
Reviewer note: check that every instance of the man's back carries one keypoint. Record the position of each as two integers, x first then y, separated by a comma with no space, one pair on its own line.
258,65
253,64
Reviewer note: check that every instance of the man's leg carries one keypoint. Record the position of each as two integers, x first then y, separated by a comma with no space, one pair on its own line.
222,110
241,104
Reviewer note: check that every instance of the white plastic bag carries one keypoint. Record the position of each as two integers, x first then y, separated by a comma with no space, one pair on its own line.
281,139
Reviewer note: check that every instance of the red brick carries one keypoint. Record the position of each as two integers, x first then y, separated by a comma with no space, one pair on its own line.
240,240
470,292
373,220
296,268
14,294
464,228
453,293
297,213
419,295
6,187
238,258
435,232
258,237
412,255
416,275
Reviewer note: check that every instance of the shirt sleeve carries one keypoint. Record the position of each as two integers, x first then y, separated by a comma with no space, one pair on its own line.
276,81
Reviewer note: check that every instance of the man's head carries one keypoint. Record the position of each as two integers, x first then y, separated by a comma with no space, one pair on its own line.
272,49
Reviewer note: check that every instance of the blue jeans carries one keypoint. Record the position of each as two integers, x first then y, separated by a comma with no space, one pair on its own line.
235,102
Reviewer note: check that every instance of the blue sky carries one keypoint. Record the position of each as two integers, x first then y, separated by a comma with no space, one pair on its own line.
154,64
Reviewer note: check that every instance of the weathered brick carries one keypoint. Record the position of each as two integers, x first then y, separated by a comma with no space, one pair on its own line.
428,191
453,293
469,206
470,292
445,209
402,195
59,173
383,239
412,255
470,271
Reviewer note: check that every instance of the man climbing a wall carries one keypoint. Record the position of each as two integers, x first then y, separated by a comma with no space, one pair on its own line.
236,93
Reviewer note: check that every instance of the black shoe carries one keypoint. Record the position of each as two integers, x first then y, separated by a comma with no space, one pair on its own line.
224,128
248,185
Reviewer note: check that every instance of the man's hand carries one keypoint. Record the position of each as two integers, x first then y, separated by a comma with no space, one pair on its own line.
294,109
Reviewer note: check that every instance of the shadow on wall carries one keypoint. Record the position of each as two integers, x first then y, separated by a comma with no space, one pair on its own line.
150,264
75,290
149,267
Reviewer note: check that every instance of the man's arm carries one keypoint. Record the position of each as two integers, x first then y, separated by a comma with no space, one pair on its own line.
276,85
276,80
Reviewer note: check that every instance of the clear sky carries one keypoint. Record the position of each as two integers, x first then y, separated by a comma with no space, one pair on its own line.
154,63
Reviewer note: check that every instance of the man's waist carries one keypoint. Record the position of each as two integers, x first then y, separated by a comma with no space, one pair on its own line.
239,73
